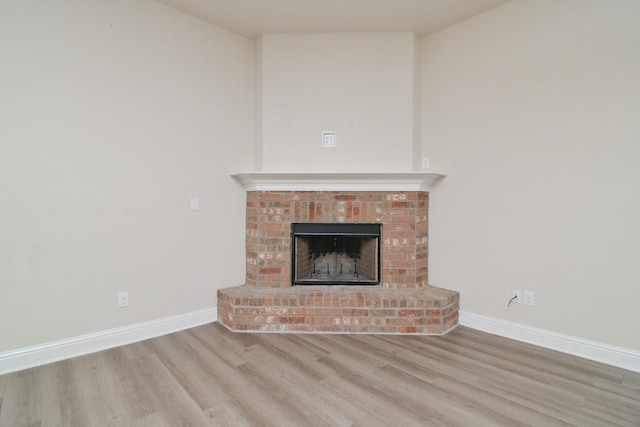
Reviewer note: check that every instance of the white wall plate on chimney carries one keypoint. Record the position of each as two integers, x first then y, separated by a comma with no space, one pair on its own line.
329,139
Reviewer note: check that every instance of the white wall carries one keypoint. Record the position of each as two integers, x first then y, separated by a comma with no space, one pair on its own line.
112,114
532,109
357,84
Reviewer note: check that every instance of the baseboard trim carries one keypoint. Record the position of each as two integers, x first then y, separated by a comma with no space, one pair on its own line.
29,357
611,355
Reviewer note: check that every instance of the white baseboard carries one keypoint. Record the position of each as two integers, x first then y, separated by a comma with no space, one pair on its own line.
28,357
611,355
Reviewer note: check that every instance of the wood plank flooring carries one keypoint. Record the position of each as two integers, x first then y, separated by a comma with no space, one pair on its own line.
208,376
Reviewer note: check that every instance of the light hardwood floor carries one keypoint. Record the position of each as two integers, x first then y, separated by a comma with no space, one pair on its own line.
208,376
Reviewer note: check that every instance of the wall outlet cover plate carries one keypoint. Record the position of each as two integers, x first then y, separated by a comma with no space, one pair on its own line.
329,139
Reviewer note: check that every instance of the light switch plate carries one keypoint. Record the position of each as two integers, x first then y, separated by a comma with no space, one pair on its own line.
195,204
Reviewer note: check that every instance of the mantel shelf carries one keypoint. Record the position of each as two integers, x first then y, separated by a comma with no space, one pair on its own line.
339,181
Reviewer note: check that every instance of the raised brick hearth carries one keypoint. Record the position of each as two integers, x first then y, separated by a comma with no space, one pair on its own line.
404,303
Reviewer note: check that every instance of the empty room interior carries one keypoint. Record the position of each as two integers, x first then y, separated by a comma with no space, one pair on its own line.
296,213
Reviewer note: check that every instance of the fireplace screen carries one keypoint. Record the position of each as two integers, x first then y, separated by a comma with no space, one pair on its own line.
336,254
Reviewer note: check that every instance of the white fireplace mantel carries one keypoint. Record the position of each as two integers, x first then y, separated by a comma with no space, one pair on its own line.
340,181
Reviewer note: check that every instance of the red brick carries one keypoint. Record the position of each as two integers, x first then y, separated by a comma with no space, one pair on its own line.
404,260
247,327
383,312
328,311
302,311
408,329
411,312
291,319
270,196
356,312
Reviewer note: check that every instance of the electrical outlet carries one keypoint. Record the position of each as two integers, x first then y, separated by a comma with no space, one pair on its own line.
426,164
123,299
517,295
529,298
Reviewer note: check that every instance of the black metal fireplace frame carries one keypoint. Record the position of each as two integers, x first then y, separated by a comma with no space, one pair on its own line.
299,229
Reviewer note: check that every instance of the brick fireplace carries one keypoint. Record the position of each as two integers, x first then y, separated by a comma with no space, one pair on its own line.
403,303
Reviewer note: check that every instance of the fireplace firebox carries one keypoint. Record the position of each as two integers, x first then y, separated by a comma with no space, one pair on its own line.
335,254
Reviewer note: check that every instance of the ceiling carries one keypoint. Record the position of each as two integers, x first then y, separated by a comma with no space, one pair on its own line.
253,17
